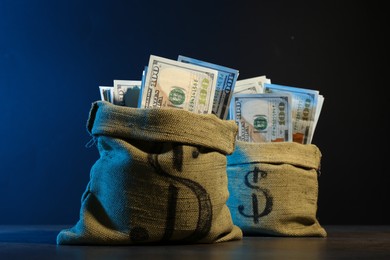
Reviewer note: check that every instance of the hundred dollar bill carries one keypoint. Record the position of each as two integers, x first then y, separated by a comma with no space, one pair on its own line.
175,84
142,86
262,117
106,93
304,104
126,92
226,81
251,85
318,112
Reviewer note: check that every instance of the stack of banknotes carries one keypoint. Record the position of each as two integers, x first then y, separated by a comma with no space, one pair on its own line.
263,111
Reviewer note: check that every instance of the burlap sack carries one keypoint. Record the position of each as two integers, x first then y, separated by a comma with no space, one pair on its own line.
161,178
274,188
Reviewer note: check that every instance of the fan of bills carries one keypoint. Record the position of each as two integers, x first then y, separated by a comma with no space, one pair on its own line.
263,111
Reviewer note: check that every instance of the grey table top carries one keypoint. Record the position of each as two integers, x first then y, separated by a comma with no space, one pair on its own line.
342,242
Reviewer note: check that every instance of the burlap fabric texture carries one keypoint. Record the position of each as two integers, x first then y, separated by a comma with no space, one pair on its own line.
274,188
160,178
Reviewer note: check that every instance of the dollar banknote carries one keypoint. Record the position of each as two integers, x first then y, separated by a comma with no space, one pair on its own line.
126,92
226,81
175,84
304,105
249,86
318,112
106,93
142,86
253,85
262,117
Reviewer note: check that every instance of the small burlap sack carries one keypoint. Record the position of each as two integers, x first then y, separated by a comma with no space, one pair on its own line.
160,178
274,188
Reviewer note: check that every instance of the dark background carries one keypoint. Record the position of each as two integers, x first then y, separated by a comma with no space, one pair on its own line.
55,54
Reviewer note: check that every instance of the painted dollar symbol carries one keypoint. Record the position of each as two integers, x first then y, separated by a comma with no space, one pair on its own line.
257,175
204,203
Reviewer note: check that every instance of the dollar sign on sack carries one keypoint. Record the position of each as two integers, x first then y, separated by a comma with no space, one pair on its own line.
205,213
257,175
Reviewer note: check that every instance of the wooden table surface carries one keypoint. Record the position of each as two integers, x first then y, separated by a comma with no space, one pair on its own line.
343,242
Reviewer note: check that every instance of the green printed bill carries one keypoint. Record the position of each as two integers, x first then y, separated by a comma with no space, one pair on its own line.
174,84
304,106
318,112
126,92
253,85
262,117
106,93
226,82
207,88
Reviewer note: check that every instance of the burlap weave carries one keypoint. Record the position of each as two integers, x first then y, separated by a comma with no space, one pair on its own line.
274,188
160,178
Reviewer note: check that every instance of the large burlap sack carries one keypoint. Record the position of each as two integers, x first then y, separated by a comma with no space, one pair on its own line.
161,178
274,188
